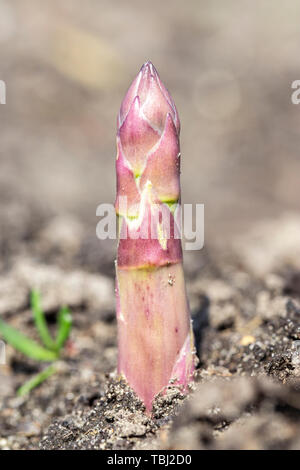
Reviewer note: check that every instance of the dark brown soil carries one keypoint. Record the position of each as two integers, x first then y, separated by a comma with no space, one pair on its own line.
247,387
229,66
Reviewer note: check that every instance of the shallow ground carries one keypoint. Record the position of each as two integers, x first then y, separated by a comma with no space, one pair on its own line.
246,322
229,66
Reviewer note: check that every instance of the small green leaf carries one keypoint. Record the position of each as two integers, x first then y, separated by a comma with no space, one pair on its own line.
35,381
40,321
25,345
64,327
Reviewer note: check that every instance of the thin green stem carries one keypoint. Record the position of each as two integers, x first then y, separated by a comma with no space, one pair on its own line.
36,381
40,321
64,327
26,345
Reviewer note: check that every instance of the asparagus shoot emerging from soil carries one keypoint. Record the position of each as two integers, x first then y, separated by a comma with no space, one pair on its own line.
154,327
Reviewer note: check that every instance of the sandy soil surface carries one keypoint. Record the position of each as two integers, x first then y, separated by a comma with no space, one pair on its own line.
229,66
247,387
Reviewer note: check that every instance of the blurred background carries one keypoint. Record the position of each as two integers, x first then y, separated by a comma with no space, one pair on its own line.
67,65
229,66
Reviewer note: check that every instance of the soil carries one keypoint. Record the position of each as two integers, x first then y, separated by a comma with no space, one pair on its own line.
66,69
246,392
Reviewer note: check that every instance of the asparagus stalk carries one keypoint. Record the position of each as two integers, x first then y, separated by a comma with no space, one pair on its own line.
154,327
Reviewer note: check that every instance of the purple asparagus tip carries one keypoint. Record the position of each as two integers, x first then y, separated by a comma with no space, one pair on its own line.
154,328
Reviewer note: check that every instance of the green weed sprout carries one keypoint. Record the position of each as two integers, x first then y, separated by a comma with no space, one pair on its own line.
49,351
